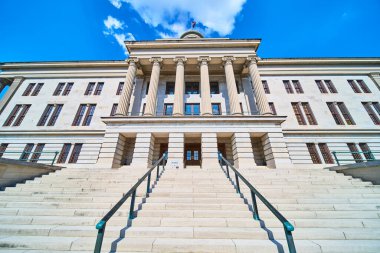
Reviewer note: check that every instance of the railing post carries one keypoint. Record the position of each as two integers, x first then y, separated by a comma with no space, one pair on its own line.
289,237
336,158
254,205
237,183
148,185
101,226
158,171
132,207
228,171
55,156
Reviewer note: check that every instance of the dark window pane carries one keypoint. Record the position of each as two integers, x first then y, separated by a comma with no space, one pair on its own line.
325,153
89,115
321,87
331,86
168,109
113,110
214,88
67,90
54,116
12,115
90,88
354,87
345,113
169,88
79,115
37,89
28,89
64,153
298,113
98,89
266,87
272,108
37,152
313,153
192,88
3,148
309,114
338,120
75,153
297,86
355,152
366,151
363,86
288,87
216,109
45,115
26,153
120,88
59,89
20,118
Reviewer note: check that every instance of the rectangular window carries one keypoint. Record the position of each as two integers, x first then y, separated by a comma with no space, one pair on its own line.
330,86
37,89
214,88
345,113
79,115
355,153
120,88
366,151
54,116
298,113
59,89
90,88
45,115
98,89
28,89
313,153
272,108
114,109
12,115
75,153
354,87
89,115
363,86
297,86
3,148
326,155
169,88
371,113
334,112
64,153
376,105
26,153
266,87
191,88
288,87
37,152
321,87
309,114
147,88
168,109
192,109
68,88
21,116
216,109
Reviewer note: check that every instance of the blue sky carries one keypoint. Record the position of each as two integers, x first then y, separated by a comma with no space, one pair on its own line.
57,30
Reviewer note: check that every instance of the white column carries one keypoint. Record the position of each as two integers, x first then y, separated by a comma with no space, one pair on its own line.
231,86
205,86
261,99
242,150
143,152
125,98
209,151
176,150
151,103
275,150
110,154
18,80
179,86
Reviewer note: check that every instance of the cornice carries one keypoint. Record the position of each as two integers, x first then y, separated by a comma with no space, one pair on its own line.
52,133
331,131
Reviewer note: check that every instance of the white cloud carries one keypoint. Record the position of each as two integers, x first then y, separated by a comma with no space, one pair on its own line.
116,3
112,23
115,27
172,17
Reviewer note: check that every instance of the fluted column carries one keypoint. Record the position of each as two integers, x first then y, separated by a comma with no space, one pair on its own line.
261,99
125,98
179,86
231,85
13,87
205,86
151,103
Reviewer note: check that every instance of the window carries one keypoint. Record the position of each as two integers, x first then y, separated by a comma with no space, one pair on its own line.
325,83
37,152
75,153
366,151
45,115
21,116
288,86
89,115
192,109
68,88
371,113
28,89
345,113
335,113
216,109
272,108
147,88
37,89
168,109
313,153
79,115
192,88
114,109
214,88
376,105
297,86
325,153
354,87
3,148
355,153
98,89
120,88
169,88
26,153
309,114
54,117
330,86
64,153
363,86
321,86
90,88
59,89
238,87
298,113
266,87
12,115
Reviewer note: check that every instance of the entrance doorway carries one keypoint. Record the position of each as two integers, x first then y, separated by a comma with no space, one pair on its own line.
193,155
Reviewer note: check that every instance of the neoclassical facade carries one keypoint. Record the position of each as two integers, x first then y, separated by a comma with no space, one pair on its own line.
192,97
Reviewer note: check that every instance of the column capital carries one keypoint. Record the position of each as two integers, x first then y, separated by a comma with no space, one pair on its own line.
252,59
204,59
156,60
132,60
228,59
180,59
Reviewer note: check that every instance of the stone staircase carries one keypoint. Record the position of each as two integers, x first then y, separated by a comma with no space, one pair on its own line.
191,210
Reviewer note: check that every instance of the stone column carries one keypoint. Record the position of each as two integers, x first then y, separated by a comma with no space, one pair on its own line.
176,150
151,103
261,99
205,86
179,86
231,86
242,150
143,152
125,98
209,151
110,154
17,81
275,150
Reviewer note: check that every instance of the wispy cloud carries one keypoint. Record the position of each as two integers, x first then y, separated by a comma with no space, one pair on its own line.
115,28
116,3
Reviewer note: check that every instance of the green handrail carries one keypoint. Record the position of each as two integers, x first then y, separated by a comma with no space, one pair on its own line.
370,156
288,227
101,225
31,159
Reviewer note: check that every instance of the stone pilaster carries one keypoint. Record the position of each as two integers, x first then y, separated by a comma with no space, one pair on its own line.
125,98
209,151
143,152
17,81
261,99
111,151
242,150
275,150
151,103
205,86
176,150
375,78
179,86
231,86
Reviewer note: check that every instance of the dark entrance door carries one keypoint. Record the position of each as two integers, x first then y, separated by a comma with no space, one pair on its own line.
192,154
222,149
163,149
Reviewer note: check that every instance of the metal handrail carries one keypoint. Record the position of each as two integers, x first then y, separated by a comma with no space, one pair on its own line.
31,159
288,227
101,225
370,153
